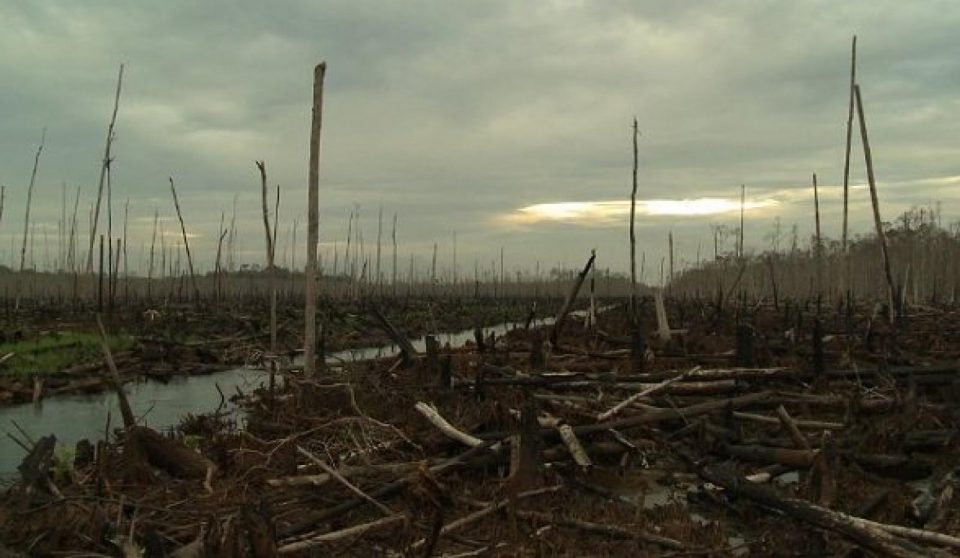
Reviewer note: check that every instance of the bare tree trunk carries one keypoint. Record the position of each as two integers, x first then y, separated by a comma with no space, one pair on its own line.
33,178
126,268
394,281
670,242
846,166
110,285
819,246
103,171
186,243
271,252
633,235
881,237
153,245
313,225
379,281
433,272
216,265
743,203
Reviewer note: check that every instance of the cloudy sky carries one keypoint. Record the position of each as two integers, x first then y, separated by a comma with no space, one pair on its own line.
477,118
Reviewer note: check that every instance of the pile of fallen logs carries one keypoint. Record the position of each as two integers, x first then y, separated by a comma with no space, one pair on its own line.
524,445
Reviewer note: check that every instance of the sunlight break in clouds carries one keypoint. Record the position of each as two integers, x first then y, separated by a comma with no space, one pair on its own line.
608,212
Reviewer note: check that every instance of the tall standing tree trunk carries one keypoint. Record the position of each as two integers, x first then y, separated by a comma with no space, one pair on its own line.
394,280
846,166
379,281
107,158
743,204
26,221
313,225
633,234
153,245
126,267
271,253
186,243
881,237
818,254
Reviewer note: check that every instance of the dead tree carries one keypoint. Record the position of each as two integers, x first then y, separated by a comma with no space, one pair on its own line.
846,166
881,237
633,235
33,178
313,224
107,158
571,298
186,243
153,245
271,252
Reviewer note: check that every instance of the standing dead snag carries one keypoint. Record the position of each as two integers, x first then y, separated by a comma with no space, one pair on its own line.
271,252
313,227
881,237
186,243
153,245
107,159
571,297
33,178
818,249
846,166
633,235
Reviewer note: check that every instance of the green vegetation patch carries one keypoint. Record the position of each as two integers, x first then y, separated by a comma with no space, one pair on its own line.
53,353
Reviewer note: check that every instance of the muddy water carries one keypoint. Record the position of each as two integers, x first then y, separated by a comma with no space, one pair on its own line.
75,417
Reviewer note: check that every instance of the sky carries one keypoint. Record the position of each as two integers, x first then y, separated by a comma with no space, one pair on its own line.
504,124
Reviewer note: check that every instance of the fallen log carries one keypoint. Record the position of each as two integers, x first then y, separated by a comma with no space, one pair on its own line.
349,532
430,413
655,416
308,520
648,391
609,530
869,537
488,509
169,455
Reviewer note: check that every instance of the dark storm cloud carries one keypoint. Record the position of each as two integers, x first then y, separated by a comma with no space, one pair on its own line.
455,113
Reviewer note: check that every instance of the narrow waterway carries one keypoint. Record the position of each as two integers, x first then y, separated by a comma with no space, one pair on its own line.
75,417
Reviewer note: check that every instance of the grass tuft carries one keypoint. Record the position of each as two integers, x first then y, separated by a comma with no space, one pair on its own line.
53,353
